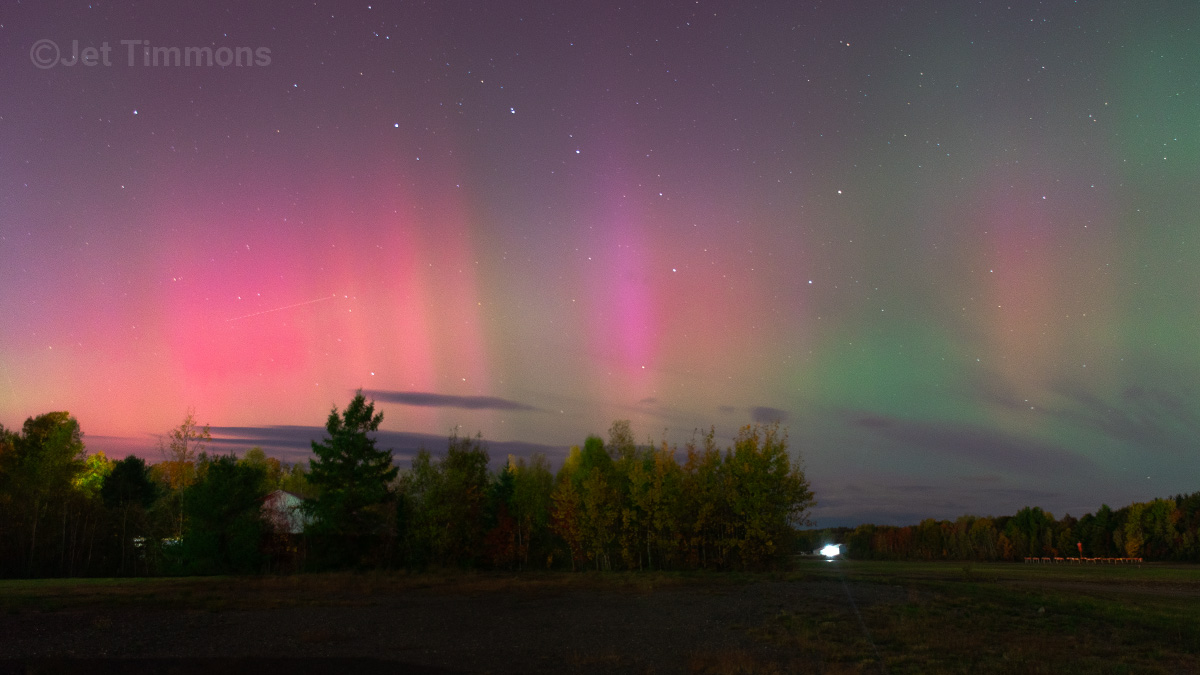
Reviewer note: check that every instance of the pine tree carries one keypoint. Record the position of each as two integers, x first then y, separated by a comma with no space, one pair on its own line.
128,489
354,480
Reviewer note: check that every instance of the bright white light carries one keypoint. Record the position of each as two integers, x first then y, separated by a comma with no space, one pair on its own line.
831,551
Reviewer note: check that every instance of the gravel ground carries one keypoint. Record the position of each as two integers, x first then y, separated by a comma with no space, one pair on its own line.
421,630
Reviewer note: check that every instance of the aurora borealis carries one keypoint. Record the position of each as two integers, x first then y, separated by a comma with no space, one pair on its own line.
954,247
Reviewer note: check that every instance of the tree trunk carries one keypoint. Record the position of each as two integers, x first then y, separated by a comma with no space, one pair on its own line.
520,550
124,519
72,565
33,535
62,553
91,543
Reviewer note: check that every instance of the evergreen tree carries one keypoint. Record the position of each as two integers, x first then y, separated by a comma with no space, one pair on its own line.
224,529
129,490
354,479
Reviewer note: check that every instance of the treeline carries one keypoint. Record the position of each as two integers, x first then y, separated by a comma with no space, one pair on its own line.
614,505
64,512
1162,529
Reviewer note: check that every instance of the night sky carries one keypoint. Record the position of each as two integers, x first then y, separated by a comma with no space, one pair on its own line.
954,247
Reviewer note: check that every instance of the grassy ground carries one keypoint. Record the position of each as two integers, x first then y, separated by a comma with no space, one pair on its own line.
840,617
993,618
332,589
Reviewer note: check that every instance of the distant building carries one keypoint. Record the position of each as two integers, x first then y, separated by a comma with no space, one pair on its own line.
829,550
284,511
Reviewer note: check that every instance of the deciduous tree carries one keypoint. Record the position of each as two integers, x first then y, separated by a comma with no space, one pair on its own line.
532,486
47,458
770,496
182,447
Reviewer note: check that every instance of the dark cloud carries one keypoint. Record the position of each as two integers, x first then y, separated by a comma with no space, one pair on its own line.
765,415
1156,419
289,443
873,422
990,478
428,400
1151,419
727,409
900,503
118,447
294,443
977,445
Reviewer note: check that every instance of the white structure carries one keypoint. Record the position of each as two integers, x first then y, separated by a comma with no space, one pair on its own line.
283,511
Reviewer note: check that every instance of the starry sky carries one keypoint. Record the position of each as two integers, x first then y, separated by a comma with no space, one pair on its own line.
953,246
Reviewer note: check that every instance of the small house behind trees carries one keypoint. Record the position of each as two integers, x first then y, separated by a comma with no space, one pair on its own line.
285,512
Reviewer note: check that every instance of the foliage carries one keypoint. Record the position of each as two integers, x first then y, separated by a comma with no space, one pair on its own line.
295,480
771,496
96,468
351,517
1161,529
39,468
128,484
446,500
529,505
272,469
184,445
224,526
565,519
718,510
129,490
613,504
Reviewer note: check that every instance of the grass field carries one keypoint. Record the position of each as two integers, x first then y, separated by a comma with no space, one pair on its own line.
1000,618
820,617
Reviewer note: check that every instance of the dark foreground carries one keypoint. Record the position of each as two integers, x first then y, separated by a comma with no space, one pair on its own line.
841,617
